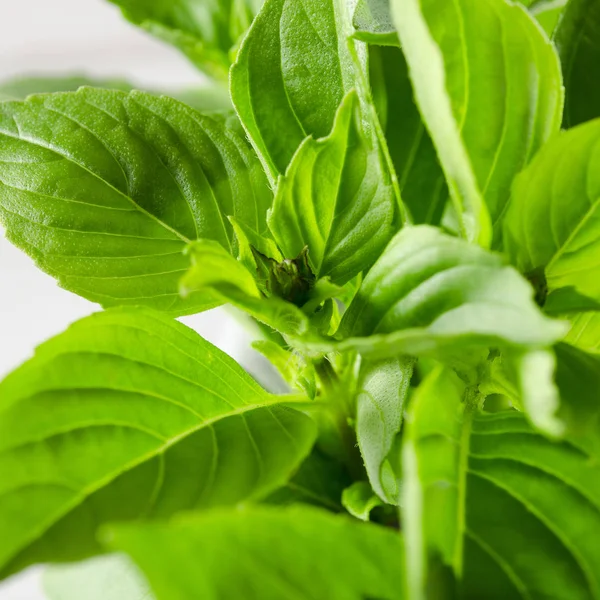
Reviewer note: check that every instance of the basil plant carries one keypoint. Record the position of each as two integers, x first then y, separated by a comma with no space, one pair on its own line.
403,196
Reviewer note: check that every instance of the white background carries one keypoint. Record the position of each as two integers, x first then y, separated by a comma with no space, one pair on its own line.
81,37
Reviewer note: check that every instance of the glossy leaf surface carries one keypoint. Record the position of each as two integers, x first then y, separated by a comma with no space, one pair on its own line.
105,189
337,199
471,63
290,77
127,415
553,222
433,288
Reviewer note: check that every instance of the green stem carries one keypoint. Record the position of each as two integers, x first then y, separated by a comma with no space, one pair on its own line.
335,395
472,399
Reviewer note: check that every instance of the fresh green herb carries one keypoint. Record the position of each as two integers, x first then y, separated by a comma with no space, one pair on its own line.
385,189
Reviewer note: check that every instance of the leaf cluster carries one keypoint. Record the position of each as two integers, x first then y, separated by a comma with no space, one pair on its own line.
404,196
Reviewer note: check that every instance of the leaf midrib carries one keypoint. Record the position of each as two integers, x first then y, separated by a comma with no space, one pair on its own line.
105,481
70,159
582,223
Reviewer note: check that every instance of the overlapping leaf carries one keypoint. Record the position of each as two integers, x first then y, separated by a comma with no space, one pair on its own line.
231,555
433,295
129,415
578,42
105,189
514,514
429,291
206,32
380,409
337,199
290,77
216,272
420,177
471,63
553,222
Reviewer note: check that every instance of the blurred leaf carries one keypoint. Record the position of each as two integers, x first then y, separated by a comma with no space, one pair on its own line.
267,554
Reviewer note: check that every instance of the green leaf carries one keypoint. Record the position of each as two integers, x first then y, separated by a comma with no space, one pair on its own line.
320,481
383,390
421,179
212,267
267,554
216,272
578,380
373,23
578,45
294,368
111,577
105,189
291,74
127,415
337,199
433,295
206,32
513,513
566,301
585,332
359,500
433,490
433,292
471,64
553,222
548,13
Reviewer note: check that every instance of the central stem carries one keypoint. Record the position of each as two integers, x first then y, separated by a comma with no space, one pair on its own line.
336,396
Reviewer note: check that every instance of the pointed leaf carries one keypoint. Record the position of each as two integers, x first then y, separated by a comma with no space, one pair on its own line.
105,189
578,45
126,415
553,222
231,555
217,273
471,64
291,74
336,199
